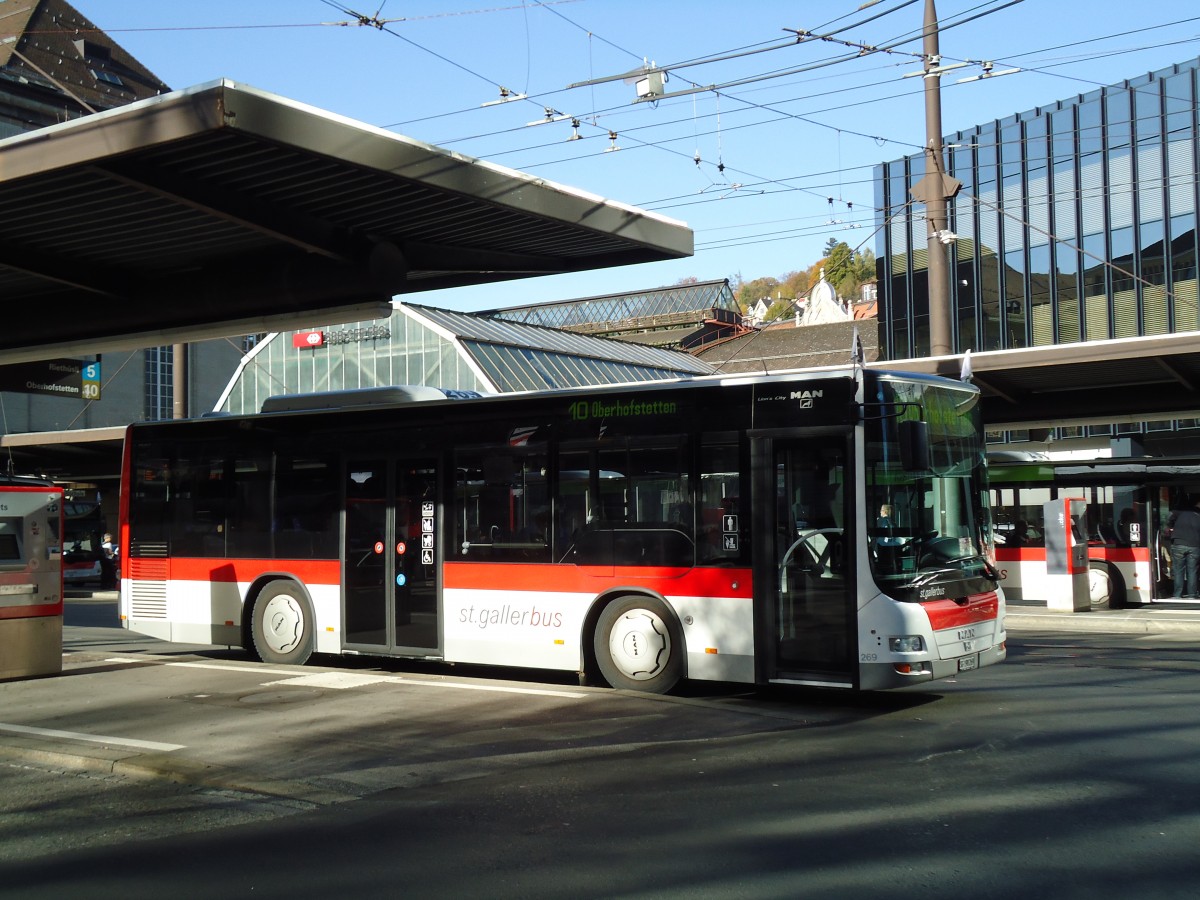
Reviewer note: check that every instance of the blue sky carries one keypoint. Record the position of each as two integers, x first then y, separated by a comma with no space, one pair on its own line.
790,127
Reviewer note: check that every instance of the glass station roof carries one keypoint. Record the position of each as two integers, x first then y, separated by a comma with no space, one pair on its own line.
613,309
440,348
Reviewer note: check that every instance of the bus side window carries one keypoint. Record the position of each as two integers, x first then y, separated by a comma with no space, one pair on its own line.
722,529
627,505
502,506
306,506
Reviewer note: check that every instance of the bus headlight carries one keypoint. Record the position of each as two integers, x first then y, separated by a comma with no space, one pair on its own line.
909,643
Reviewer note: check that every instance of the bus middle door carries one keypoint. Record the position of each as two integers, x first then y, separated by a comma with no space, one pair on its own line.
391,597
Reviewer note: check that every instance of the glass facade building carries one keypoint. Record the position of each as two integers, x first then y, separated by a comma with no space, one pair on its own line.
442,349
1075,222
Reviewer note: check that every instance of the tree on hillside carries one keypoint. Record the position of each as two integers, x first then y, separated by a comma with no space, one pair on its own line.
750,292
838,263
783,308
847,270
796,284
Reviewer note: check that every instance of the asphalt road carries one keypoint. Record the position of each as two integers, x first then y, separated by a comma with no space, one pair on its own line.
1069,771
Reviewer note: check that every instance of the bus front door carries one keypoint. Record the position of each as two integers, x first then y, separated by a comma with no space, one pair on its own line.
806,552
391,553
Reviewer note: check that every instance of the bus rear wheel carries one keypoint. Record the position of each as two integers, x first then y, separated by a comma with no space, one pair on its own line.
638,645
283,624
1106,587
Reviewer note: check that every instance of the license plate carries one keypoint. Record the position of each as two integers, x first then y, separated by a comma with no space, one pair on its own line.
967,663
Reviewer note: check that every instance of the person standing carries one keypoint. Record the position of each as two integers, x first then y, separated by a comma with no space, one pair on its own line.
1184,528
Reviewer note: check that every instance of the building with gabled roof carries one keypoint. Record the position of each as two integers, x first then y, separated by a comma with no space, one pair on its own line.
56,65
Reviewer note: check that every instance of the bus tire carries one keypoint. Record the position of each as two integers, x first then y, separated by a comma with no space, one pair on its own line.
283,624
639,645
1106,587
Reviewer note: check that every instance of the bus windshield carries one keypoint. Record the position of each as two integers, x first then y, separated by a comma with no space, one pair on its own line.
928,524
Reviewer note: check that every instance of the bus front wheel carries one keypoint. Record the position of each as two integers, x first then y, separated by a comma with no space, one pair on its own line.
283,624
1105,585
638,645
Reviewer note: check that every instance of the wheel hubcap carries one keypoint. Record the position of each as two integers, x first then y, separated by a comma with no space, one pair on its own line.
1101,588
639,644
283,624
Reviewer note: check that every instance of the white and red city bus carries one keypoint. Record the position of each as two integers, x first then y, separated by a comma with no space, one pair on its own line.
1129,503
716,528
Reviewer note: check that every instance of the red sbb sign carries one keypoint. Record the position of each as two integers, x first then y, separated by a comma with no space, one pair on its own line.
303,339
309,340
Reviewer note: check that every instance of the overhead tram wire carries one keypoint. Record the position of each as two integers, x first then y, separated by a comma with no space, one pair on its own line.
782,113
1005,61
752,49
1092,57
1042,69
1012,58
860,48
625,107
759,48
380,25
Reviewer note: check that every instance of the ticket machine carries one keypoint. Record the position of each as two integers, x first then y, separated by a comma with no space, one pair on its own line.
31,583
1065,527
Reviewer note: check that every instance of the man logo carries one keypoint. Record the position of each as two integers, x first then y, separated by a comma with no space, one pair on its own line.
806,398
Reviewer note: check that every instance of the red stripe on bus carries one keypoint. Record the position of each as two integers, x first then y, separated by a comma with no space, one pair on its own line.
678,582
1038,554
229,571
949,614
1020,554
1120,554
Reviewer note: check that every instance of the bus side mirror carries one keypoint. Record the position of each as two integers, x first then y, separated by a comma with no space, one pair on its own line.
914,446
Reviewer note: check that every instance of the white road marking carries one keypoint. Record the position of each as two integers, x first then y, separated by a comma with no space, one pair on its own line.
318,679
337,681
344,680
93,738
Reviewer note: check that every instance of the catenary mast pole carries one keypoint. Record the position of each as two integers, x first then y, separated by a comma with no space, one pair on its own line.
934,190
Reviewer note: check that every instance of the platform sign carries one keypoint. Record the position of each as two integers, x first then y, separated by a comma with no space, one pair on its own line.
74,378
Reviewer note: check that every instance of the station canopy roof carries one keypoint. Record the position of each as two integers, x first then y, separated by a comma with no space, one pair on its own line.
223,210
1125,380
